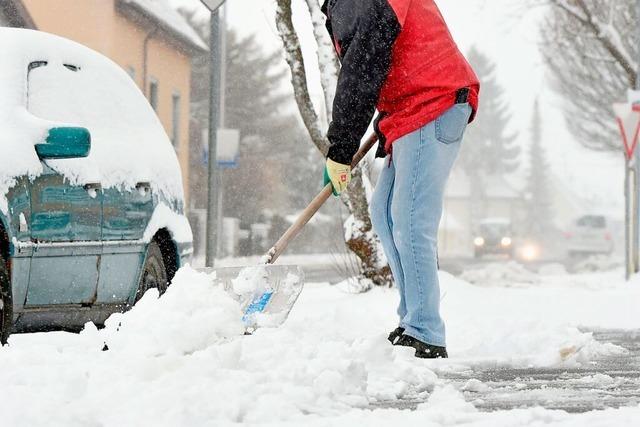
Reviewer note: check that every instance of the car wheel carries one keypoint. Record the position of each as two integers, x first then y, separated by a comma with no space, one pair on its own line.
6,303
154,273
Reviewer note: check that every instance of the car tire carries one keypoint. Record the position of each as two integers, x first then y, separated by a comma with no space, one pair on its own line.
154,273
6,303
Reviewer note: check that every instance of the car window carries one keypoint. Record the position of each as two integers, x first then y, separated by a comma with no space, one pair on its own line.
59,92
128,142
592,221
495,230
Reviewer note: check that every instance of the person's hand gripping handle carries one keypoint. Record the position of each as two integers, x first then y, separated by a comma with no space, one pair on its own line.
338,175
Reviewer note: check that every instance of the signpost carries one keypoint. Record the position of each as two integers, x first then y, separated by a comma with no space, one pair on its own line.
214,123
628,118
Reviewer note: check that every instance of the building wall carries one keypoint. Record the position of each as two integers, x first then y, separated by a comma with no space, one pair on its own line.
100,26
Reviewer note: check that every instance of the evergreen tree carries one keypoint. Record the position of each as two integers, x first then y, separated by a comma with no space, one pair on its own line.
538,201
273,168
489,148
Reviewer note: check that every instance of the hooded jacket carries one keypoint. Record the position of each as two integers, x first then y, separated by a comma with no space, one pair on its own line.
397,56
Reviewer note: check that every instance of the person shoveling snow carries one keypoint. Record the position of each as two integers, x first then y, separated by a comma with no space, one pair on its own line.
398,56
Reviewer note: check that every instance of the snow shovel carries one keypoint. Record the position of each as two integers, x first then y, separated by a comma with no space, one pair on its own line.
267,292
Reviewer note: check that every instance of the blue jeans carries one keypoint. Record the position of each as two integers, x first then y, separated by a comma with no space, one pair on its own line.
406,210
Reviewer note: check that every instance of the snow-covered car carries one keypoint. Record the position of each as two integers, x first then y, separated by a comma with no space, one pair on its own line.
589,235
494,236
91,199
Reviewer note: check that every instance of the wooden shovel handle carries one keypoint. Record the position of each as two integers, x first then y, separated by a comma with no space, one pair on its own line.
308,213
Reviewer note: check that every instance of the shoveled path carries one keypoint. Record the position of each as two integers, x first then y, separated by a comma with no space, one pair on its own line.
610,382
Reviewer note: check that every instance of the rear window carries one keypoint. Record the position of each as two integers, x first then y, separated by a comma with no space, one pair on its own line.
495,230
59,92
592,221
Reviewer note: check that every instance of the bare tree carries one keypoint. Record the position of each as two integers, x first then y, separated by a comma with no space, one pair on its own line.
491,150
360,238
590,47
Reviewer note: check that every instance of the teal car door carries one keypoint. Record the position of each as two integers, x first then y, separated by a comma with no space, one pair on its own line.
126,215
17,223
65,231
66,218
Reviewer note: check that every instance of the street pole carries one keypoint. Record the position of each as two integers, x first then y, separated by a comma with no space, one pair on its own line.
214,123
221,122
632,186
636,170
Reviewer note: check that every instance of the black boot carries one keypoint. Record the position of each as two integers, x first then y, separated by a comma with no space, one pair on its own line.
423,350
395,335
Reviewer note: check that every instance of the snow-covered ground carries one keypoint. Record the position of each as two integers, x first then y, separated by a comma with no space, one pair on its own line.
182,359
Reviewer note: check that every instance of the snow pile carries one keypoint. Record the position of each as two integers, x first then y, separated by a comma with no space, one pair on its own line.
183,359
192,315
598,263
524,326
251,280
355,285
79,87
445,406
499,274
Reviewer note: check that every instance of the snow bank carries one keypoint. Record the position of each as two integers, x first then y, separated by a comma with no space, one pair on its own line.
194,314
78,87
182,359
499,274
535,325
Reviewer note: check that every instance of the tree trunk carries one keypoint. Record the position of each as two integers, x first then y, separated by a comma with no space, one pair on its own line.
295,60
359,236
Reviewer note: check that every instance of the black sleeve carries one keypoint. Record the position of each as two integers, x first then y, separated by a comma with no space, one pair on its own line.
364,32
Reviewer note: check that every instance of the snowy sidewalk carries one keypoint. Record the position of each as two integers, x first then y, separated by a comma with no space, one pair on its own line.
182,360
605,382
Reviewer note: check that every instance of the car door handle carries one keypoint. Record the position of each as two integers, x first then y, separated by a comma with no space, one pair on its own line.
92,189
144,188
93,186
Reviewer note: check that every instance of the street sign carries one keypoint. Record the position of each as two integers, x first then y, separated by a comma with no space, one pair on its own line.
212,5
628,118
228,148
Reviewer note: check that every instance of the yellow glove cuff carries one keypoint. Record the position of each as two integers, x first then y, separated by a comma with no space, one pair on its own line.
339,174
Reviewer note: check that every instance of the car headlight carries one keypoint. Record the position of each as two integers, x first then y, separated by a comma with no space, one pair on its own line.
506,241
478,241
530,252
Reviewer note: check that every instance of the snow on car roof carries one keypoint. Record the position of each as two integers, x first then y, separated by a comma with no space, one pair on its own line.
129,144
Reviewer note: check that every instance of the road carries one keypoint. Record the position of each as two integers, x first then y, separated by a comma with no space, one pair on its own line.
610,382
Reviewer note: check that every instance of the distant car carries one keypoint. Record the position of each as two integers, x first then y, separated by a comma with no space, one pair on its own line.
589,235
91,202
494,237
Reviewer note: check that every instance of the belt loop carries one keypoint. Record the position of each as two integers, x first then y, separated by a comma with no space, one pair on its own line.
462,96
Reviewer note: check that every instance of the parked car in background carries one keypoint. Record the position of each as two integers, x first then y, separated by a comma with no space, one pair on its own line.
494,236
589,235
91,202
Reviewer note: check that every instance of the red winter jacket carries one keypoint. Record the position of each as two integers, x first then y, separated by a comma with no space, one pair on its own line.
398,56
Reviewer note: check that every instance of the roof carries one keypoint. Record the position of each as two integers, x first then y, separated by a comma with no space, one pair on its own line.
169,19
16,14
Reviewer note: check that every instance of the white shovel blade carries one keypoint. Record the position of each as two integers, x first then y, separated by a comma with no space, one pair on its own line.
266,293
